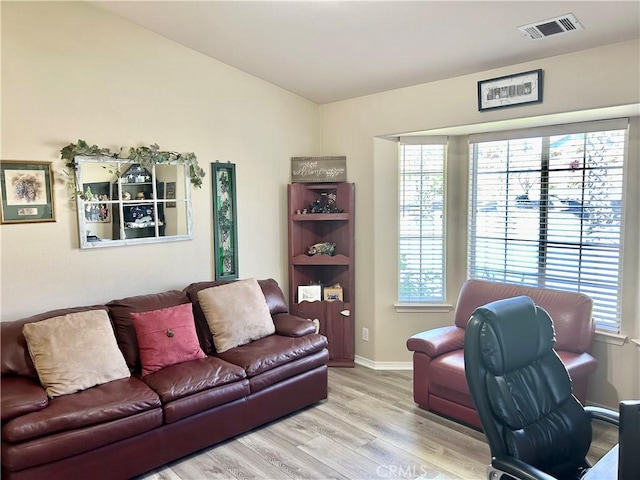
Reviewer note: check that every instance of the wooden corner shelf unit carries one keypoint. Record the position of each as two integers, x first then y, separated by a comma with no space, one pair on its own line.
307,229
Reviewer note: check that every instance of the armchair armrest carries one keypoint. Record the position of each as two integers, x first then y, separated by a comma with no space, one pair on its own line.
289,325
21,395
603,415
437,341
519,469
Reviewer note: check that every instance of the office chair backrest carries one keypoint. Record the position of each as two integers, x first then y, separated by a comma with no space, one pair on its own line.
522,390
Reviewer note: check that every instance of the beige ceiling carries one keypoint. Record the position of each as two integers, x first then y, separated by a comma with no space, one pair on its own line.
328,51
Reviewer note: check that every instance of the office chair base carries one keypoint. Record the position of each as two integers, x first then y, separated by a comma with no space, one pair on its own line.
494,473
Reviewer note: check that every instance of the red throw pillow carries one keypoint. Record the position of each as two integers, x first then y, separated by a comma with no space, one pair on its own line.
166,337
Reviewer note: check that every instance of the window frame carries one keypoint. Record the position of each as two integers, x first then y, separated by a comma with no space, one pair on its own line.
408,303
548,132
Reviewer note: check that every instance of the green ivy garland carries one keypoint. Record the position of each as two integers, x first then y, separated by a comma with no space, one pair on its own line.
145,156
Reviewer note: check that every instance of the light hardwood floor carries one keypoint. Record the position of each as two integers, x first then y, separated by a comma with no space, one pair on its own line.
368,428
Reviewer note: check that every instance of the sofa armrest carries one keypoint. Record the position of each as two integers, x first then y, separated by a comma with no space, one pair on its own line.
291,326
21,395
437,341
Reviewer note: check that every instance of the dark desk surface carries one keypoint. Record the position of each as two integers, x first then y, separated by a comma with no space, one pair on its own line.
606,468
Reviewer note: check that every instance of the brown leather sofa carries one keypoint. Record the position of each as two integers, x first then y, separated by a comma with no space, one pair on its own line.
439,382
126,427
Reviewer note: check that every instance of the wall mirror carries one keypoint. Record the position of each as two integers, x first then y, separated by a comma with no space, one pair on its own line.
121,202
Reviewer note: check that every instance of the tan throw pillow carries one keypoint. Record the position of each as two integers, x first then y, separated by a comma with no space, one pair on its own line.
75,351
237,313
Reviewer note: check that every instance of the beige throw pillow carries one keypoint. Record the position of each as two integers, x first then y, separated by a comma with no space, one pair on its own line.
237,313
75,351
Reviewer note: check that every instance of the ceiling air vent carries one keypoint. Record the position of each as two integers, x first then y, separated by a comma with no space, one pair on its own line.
562,24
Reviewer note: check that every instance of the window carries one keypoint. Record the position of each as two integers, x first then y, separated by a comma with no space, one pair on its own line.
546,208
421,253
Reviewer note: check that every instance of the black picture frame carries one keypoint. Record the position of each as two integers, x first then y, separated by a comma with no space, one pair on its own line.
225,226
515,90
27,191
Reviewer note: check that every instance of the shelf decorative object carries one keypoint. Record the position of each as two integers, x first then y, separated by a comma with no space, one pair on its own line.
322,248
309,293
223,177
147,157
332,293
99,210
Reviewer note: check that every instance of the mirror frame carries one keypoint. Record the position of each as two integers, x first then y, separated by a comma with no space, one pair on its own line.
119,163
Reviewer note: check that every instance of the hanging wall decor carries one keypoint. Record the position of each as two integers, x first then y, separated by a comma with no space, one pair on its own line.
510,91
27,191
225,229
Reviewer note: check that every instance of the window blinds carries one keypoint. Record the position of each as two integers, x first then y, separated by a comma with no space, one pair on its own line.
546,210
421,220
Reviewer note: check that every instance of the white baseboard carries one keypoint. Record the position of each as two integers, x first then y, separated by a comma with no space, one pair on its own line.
365,362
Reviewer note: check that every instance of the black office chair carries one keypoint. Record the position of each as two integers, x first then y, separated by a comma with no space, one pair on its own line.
535,427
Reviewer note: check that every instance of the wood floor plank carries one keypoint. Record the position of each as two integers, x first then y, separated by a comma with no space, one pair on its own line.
368,428
292,461
398,463
343,460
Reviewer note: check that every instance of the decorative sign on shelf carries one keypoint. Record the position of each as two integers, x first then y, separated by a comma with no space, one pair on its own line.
318,169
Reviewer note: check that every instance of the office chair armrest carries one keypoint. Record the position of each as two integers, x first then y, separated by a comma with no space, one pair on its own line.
603,415
519,469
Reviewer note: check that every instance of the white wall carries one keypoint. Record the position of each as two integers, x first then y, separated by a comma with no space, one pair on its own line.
583,83
71,71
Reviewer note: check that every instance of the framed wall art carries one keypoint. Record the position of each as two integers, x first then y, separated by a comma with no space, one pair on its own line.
225,228
510,91
27,191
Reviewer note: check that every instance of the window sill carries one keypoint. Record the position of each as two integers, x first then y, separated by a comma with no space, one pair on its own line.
636,341
611,338
422,307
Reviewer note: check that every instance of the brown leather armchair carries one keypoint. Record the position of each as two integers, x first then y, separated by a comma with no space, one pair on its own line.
439,382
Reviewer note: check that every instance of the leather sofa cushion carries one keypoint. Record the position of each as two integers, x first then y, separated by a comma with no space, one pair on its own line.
120,311
448,369
274,296
21,395
68,443
571,312
188,378
101,404
579,365
288,370
205,400
15,358
292,326
272,351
